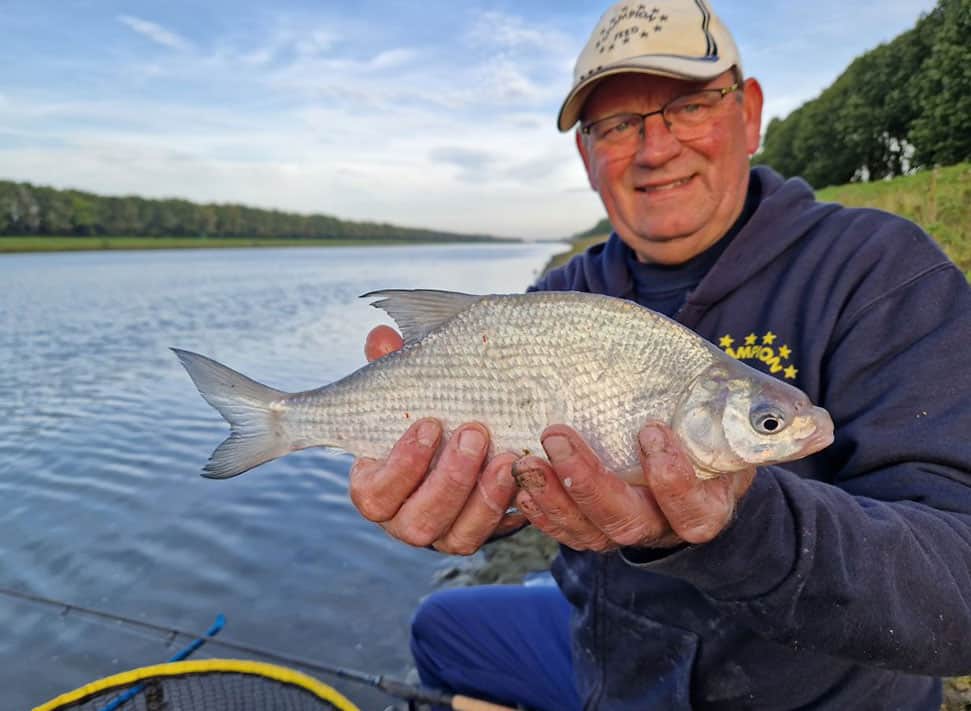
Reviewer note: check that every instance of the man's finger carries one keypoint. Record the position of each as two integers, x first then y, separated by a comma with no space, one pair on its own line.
697,509
627,515
549,507
433,507
484,510
378,489
381,341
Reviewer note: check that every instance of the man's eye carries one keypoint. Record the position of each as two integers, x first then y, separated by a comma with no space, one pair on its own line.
621,127
690,108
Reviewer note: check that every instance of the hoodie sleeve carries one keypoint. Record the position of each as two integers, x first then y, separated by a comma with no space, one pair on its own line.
870,558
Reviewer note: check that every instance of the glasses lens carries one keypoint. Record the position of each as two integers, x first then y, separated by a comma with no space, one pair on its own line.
616,129
689,116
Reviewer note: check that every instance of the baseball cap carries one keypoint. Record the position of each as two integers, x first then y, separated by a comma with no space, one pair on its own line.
683,39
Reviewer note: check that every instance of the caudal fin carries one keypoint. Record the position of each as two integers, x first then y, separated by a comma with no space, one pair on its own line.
250,408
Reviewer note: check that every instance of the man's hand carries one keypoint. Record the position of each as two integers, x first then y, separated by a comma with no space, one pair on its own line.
573,499
429,493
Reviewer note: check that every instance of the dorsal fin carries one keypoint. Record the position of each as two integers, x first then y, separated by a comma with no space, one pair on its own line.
420,311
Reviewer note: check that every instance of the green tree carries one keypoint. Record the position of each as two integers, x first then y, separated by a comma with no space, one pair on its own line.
942,131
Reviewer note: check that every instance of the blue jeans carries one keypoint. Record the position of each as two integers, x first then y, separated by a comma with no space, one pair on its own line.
508,644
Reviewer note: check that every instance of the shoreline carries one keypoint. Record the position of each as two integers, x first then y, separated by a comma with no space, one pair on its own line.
35,245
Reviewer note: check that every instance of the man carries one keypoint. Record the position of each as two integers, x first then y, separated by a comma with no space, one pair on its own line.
839,581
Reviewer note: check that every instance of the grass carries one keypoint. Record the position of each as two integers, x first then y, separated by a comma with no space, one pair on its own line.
70,244
579,245
938,200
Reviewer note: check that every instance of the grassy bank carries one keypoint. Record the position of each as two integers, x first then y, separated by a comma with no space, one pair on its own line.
938,200
72,244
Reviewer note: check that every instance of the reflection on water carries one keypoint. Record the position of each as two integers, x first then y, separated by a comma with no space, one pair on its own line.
103,437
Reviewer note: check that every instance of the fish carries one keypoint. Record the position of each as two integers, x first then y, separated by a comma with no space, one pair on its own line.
518,363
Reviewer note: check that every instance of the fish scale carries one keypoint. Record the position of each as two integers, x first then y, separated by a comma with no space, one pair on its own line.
516,363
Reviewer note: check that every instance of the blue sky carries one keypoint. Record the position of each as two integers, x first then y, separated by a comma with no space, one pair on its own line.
424,113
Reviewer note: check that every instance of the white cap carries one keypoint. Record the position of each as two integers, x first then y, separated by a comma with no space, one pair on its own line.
683,39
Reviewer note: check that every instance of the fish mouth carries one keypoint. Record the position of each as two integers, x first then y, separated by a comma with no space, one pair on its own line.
823,434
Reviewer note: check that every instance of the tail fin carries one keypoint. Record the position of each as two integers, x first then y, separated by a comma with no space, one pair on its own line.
250,408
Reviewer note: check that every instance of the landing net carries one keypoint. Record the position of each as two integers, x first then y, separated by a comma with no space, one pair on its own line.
204,685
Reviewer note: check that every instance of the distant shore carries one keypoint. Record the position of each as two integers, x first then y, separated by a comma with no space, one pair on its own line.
11,245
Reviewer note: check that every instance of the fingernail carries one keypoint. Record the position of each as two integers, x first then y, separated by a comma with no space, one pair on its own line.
651,440
557,447
528,477
471,441
427,434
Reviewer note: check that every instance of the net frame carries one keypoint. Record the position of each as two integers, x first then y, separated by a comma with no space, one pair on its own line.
122,682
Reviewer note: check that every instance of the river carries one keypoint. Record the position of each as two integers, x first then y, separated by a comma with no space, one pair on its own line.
103,436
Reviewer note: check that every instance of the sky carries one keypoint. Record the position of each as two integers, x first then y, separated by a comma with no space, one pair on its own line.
422,114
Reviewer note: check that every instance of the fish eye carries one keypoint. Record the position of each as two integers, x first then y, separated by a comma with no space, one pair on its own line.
768,421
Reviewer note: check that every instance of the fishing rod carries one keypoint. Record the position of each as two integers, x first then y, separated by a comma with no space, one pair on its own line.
391,687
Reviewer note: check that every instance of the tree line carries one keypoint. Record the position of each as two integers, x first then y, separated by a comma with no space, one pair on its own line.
902,106
27,209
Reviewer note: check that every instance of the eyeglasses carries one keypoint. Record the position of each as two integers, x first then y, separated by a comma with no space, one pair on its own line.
687,117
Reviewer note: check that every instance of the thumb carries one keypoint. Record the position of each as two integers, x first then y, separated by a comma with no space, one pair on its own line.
381,341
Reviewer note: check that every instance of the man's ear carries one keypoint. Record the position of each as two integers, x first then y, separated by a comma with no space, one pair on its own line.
585,155
752,111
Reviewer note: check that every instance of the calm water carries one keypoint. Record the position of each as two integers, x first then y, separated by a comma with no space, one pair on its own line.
103,435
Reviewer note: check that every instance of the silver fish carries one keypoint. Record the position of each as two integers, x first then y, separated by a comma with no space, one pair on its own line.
518,363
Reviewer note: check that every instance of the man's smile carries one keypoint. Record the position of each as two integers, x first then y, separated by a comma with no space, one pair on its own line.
663,186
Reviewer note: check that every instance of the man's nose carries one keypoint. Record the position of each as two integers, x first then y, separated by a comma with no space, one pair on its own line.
658,145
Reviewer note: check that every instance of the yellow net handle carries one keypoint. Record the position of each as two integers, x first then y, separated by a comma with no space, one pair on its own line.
238,666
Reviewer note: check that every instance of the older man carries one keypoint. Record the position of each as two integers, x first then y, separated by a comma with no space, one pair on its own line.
840,581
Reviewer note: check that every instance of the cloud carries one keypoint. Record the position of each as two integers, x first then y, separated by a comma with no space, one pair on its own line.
392,58
497,29
154,32
315,43
471,162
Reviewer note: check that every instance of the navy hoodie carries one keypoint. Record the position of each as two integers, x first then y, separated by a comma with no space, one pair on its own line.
844,579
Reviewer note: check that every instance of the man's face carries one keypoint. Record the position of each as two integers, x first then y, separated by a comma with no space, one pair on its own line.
669,200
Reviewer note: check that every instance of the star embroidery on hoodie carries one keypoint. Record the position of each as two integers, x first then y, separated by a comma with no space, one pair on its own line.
761,348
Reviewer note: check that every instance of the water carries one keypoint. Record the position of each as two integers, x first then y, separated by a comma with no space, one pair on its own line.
103,435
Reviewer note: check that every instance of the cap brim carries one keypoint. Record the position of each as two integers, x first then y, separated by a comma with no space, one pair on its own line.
699,69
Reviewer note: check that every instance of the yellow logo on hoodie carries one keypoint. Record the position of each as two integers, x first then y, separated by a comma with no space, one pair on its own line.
761,348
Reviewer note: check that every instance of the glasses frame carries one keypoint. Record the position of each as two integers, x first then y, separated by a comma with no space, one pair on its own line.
587,129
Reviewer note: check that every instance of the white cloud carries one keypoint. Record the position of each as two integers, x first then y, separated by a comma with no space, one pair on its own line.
392,58
493,29
315,42
154,32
